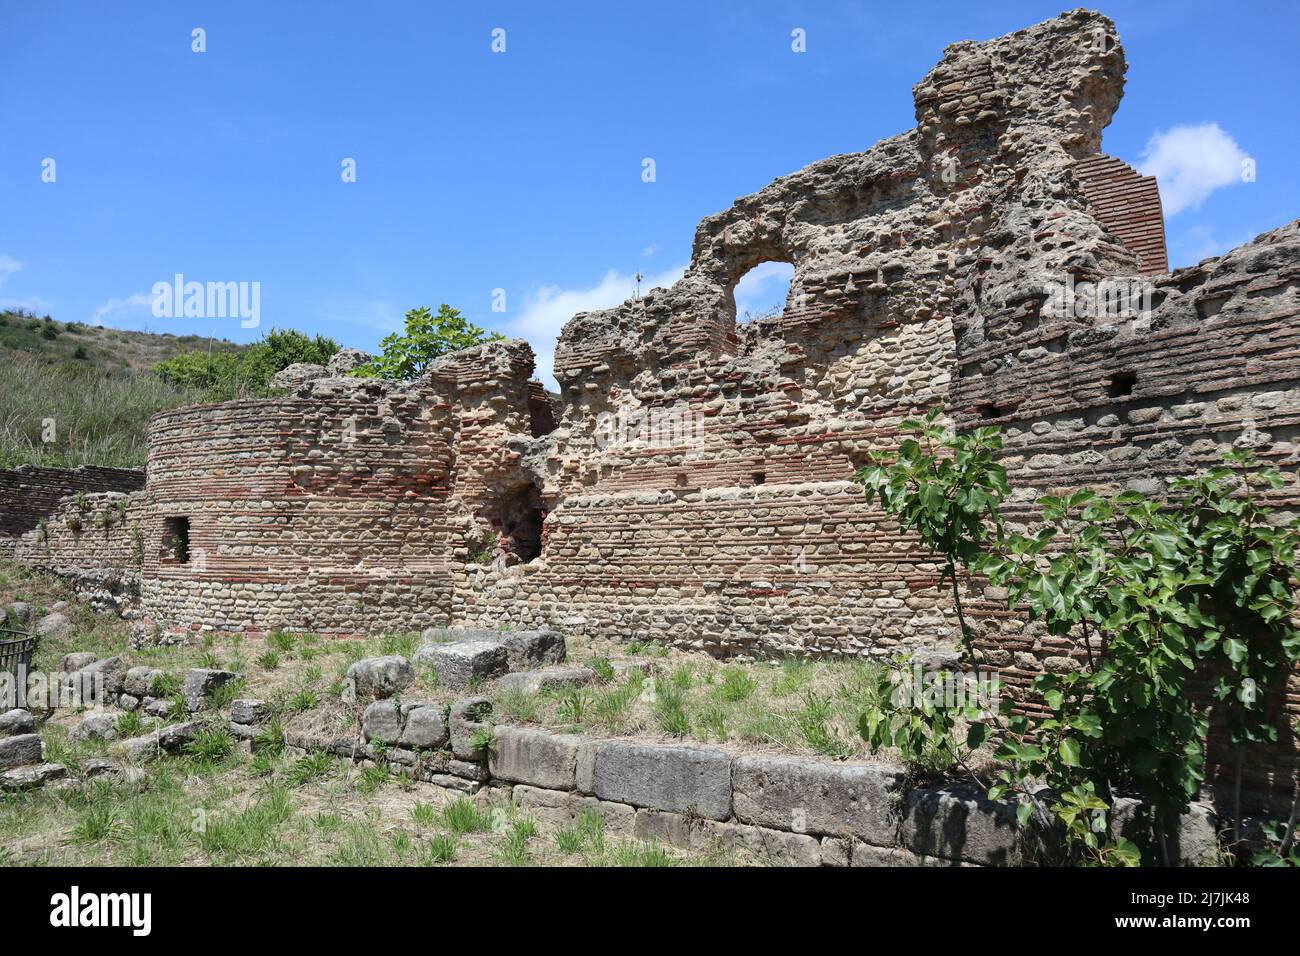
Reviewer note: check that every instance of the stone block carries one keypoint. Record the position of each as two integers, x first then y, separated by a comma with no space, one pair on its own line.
20,750
803,796
467,716
774,847
248,710
29,778
464,662
534,757
561,808
958,823
377,678
16,721
200,682
554,678
678,779
95,727
139,681
526,649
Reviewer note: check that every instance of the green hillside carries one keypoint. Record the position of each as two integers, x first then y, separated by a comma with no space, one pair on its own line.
74,394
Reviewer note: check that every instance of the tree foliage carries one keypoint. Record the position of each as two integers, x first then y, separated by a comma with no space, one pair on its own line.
1162,598
406,354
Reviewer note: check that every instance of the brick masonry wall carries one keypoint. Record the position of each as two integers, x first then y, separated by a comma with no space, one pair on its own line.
1128,204
29,493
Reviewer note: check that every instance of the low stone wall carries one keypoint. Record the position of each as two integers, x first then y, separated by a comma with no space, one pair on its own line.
29,493
95,541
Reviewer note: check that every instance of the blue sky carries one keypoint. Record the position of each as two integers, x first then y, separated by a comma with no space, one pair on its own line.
521,170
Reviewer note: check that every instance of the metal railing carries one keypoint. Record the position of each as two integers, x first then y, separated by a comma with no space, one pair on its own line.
16,649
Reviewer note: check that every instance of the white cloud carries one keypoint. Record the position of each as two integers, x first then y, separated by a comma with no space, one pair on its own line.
545,310
763,288
1199,242
8,266
649,250
1190,162
131,303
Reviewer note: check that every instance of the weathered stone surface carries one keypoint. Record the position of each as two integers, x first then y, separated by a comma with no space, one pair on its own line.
16,721
864,854
29,778
169,739
1195,844
552,678
526,649
377,678
957,823
95,727
382,722
100,682
467,716
453,635
412,724
21,610
139,681
297,375
469,770
345,360
20,750
561,808
97,767
128,702
75,661
202,681
802,796
156,706
53,625
426,727
463,662
837,851
774,847
677,779
249,710
535,757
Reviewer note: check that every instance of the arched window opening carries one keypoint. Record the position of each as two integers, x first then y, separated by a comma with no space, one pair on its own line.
763,292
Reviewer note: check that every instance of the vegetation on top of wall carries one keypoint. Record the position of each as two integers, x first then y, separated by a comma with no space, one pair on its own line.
427,336
225,375
85,395
1161,597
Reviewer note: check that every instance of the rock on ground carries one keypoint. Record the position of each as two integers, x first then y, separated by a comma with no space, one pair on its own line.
20,750
202,681
16,721
377,678
95,727
552,678
463,662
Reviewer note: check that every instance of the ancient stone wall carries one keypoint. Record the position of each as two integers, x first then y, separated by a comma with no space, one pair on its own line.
29,493
324,510
696,486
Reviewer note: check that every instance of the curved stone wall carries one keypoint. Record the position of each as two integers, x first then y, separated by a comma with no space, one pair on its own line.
323,511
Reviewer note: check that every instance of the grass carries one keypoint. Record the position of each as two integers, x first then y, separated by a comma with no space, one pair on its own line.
462,815
341,813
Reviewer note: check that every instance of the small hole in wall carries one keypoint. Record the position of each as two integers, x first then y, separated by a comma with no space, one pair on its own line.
987,411
760,477
522,516
1121,384
176,539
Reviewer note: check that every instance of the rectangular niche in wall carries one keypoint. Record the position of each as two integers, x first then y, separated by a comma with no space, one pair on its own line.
176,540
